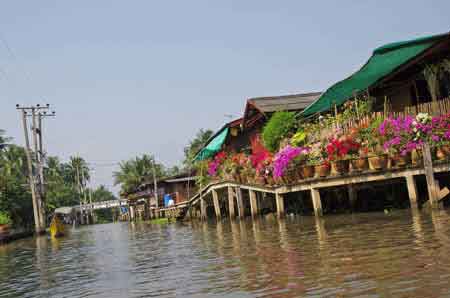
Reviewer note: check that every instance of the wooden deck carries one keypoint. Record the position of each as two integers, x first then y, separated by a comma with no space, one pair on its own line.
313,185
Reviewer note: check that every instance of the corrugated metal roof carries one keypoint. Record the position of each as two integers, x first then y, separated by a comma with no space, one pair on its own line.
294,102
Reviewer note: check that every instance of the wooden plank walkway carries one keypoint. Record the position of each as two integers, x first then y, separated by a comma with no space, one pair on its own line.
313,185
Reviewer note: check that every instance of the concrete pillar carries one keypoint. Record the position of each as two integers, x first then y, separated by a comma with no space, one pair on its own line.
231,202
412,191
253,203
315,195
215,196
240,203
279,200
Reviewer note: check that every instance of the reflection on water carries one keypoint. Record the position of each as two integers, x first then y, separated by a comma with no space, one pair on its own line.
405,254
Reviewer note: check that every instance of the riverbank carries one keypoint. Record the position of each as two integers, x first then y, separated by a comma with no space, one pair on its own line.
16,234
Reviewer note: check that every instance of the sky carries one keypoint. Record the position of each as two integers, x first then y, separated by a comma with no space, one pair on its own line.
133,77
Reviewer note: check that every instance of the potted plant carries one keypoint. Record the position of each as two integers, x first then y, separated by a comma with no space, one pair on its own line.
285,164
307,169
5,222
359,161
340,151
316,158
376,155
440,136
403,134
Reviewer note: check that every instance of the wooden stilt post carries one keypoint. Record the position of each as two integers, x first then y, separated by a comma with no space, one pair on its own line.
315,195
253,202
412,191
279,200
216,203
352,196
240,203
231,201
203,208
433,191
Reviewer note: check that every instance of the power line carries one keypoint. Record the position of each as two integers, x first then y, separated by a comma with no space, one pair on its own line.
14,57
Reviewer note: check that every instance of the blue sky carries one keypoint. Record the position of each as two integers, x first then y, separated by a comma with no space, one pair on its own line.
133,77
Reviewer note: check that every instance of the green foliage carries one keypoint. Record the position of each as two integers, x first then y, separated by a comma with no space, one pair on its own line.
280,125
62,180
201,168
134,172
159,221
195,145
4,218
299,138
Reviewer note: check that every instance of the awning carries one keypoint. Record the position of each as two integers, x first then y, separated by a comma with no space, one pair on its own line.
213,146
384,60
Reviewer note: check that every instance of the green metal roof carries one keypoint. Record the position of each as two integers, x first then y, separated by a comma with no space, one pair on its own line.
213,146
383,61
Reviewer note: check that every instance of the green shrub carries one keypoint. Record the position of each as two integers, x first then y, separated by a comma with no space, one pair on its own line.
4,218
280,125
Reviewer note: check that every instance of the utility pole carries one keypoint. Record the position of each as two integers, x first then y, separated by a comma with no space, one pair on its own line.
79,194
84,193
36,192
42,153
39,166
91,213
155,185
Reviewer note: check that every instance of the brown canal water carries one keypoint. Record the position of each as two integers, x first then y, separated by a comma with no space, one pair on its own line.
363,255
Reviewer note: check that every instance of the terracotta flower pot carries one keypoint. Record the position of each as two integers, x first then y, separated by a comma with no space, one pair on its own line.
307,171
340,167
378,162
416,158
260,180
237,178
402,161
446,149
244,179
270,181
4,231
440,154
322,170
360,164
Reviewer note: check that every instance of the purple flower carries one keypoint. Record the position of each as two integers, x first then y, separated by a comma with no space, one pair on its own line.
435,138
447,135
284,158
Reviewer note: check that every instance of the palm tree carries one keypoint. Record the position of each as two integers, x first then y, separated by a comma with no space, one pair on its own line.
76,170
134,172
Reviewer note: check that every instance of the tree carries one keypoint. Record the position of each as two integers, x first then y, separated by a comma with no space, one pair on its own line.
173,171
15,197
3,139
134,172
101,194
195,145
62,189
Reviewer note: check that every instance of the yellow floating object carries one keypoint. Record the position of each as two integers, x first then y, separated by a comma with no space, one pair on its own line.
56,227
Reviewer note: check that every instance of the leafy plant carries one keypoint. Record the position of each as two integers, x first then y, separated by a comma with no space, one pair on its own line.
5,219
298,139
280,125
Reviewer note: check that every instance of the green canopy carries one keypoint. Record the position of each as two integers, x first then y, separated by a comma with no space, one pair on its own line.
384,60
213,146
